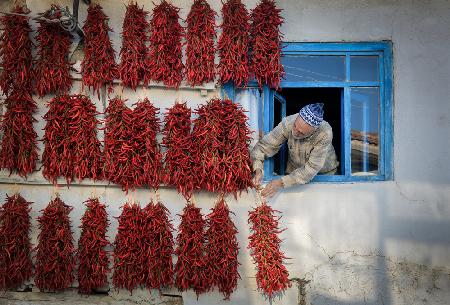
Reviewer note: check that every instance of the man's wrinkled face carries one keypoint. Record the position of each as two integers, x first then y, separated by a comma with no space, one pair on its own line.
301,129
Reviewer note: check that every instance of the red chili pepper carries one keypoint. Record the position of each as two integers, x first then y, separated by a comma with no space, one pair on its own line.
55,257
16,266
164,59
266,44
233,44
98,67
93,262
272,276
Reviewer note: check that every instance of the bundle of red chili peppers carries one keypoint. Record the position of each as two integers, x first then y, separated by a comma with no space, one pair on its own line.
132,154
178,142
55,258
264,244
15,251
222,250
266,44
133,54
200,49
18,146
158,241
190,266
129,250
71,145
165,55
98,66
93,262
53,67
221,151
233,44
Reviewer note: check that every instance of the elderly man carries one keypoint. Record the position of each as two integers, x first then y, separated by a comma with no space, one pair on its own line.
310,149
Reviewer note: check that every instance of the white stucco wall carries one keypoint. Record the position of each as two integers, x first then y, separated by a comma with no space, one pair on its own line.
357,243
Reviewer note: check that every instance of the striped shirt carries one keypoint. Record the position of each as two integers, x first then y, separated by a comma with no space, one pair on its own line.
307,156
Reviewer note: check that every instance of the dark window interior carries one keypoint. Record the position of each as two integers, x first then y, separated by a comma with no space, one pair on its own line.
299,97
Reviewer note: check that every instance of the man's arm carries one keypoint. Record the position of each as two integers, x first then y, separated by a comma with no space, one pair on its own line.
269,145
313,165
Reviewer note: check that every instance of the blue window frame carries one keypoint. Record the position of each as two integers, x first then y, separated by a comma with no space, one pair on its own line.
363,71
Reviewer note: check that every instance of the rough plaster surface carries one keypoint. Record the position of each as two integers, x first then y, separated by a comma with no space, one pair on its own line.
358,243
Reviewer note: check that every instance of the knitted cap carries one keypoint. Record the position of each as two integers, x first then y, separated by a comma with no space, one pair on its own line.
312,114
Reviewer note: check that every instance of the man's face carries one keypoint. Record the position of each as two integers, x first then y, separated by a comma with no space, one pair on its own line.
301,129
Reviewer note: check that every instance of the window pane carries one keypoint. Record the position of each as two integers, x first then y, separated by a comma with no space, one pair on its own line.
364,130
314,68
364,68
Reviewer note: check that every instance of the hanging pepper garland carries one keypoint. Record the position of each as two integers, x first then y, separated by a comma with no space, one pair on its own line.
272,276
53,67
71,148
178,142
133,53
129,256
190,266
233,44
222,250
266,44
98,67
159,246
55,258
200,49
165,55
132,154
16,266
93,262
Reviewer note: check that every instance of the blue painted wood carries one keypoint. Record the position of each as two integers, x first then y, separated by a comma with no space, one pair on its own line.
228,90
267,101
347,133
382,122
388,113
311,84
279,98
337,47
343,150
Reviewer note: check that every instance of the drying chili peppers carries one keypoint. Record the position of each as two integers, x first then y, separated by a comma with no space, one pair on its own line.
165,54
233,44
55,257
264,244
18,151
159,246
92,257
15,253
132,155
53,67
129,249
221,151
178,142
266,44
190,266
98,67
200,49
71,145
133,54
222,250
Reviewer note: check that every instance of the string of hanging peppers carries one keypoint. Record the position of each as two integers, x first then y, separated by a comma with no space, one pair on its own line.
16,266
18,151
233,44
93,262
165,54
55,257
200,49
266,44
52,67
98,67
222,250
159,246
264,244
190,266
133,54
129,249
72,149
178,142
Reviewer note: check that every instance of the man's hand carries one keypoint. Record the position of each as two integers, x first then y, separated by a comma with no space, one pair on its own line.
272,188
257,178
